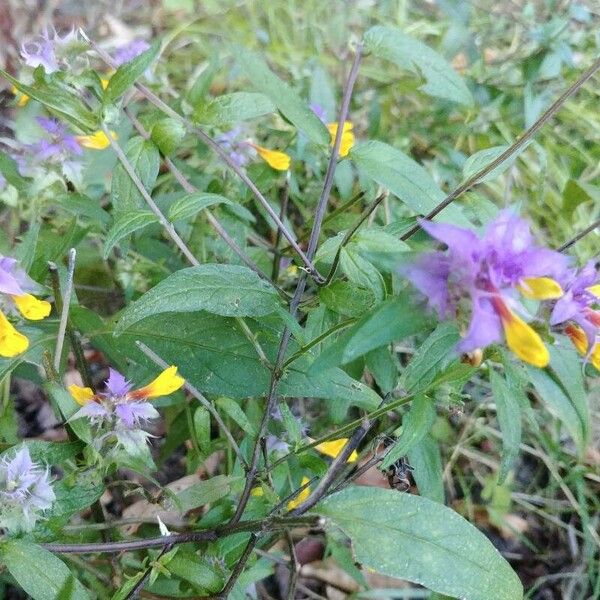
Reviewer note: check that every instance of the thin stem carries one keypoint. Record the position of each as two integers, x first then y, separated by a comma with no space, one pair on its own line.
152,205
269,524
64,315
294,567
339,462
189,188
157,360
154,99
579,236
282,213
140,584
348,236
511,150
278,371
239,567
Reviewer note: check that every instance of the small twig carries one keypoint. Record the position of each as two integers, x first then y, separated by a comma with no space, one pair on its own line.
189,188
140,584
277,372
256,525
171,232
157,360
579,236
348,235
282,213
339,462
293,566
64,316
511,150
154,99
251,337
238,568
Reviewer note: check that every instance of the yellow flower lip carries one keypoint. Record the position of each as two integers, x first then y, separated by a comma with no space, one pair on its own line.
333,447
540,288
166,383
280,161
12,343
81,395
96,141
32,308
347,140
302,496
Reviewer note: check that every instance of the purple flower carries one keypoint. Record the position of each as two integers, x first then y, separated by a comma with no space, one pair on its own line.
46,49
120,412
582,292
130,51
25,491
239,150
58,145
479,277
13,280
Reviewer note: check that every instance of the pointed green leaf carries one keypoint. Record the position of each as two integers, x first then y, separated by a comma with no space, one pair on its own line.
232,108
413,538
411,54
125,224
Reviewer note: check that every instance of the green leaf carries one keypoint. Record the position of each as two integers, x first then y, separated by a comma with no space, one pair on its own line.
228,290
481,159
431,357
233,409
81,205
404,178
426,461
232,108
60,102
216,357
202,428
10,172
384,368
409,53
68,407
508,412
167,135
127,73
346,298
47,453
190,204
361,272
415,426
578,192
559,404
413,538
71,499
205,577
41,574
145,160
392,320
205,492
282,95
124,225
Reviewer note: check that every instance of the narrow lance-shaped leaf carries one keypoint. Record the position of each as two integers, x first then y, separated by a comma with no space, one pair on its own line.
409,53
127,73
509,419
232,108
410,537
405,178
282,95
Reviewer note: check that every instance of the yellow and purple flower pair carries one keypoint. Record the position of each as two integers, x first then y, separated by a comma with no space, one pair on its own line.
579,309
241,151
16,287
484,277
348,138
120,411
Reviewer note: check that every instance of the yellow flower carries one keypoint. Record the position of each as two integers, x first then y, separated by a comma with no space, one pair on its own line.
580,342
12,342
347,140
82,395
524,341
166,383
301,497
22,99
275,159
334,447
97,140
32,308
104,83
540,288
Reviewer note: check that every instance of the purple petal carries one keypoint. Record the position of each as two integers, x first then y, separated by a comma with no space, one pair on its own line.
429,274
564,309
20,465
92,410
485,327
131,413
459,240
8,281
116,384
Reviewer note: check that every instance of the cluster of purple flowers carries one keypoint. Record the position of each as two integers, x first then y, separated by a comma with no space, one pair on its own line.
120,413
482,282
25,492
